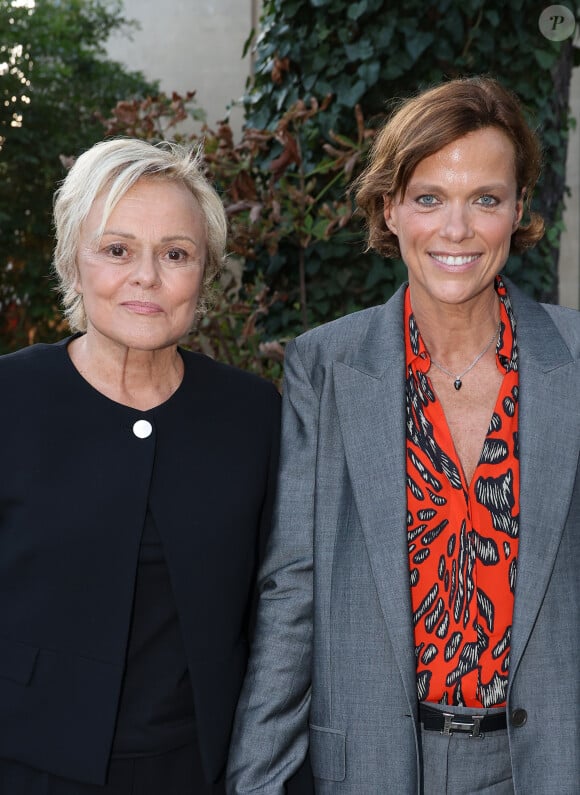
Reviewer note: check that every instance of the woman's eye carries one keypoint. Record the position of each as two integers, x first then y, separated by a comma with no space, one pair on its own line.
177,257
427,200
175,254
488,201
116,250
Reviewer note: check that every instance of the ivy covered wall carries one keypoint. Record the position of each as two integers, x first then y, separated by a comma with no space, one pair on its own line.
371,52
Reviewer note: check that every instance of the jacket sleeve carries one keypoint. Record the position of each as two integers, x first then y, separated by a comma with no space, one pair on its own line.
265,524
270,736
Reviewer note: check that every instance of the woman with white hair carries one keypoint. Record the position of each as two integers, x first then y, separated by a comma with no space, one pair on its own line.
136,486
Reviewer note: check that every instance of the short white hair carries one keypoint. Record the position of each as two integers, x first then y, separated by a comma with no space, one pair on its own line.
117,164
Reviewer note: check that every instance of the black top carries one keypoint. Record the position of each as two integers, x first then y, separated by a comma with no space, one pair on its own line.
156,706
76,478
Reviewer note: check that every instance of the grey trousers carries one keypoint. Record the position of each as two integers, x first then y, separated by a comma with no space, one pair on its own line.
463,765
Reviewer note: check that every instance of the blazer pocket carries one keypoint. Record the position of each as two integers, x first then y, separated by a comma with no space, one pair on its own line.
327,753
17,661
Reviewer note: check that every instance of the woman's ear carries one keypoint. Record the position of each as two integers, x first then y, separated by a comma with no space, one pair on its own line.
77,283
389,214
519,210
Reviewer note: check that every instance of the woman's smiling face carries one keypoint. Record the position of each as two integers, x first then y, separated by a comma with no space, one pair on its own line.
455,220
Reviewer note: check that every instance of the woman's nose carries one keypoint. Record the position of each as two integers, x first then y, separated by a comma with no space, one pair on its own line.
146,270
457,223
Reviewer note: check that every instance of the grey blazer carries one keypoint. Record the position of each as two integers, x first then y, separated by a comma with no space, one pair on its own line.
333,661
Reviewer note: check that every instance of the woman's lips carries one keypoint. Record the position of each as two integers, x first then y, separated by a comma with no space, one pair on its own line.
142,307
454,261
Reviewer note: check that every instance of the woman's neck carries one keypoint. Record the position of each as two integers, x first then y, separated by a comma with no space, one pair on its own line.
136,378
454,333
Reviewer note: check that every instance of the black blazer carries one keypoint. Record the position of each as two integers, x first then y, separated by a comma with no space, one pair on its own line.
74,486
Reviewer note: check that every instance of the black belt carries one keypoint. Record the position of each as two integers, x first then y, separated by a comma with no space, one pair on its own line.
448,723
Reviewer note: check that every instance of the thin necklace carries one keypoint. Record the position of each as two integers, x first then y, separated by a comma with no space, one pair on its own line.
458,383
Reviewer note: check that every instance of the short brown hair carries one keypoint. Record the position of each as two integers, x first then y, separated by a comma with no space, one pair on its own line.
426,123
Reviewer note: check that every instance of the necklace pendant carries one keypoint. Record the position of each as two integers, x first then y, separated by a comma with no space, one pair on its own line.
457,384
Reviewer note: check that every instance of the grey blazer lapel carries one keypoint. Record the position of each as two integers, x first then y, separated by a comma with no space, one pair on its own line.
370,398
549,438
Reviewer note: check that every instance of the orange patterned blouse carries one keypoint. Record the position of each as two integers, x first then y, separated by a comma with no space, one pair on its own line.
463,538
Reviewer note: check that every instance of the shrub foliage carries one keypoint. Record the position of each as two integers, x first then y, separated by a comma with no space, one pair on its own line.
54,80
326,73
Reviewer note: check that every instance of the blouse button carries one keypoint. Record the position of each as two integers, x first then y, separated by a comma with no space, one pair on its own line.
142,429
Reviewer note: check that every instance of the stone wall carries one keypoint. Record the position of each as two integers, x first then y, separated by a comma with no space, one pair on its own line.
190,45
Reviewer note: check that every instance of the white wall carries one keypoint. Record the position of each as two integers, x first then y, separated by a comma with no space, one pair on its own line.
190,45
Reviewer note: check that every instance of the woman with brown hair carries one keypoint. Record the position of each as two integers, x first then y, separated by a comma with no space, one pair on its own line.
418,622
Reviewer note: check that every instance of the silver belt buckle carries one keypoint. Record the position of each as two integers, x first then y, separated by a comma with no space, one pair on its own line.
472,725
